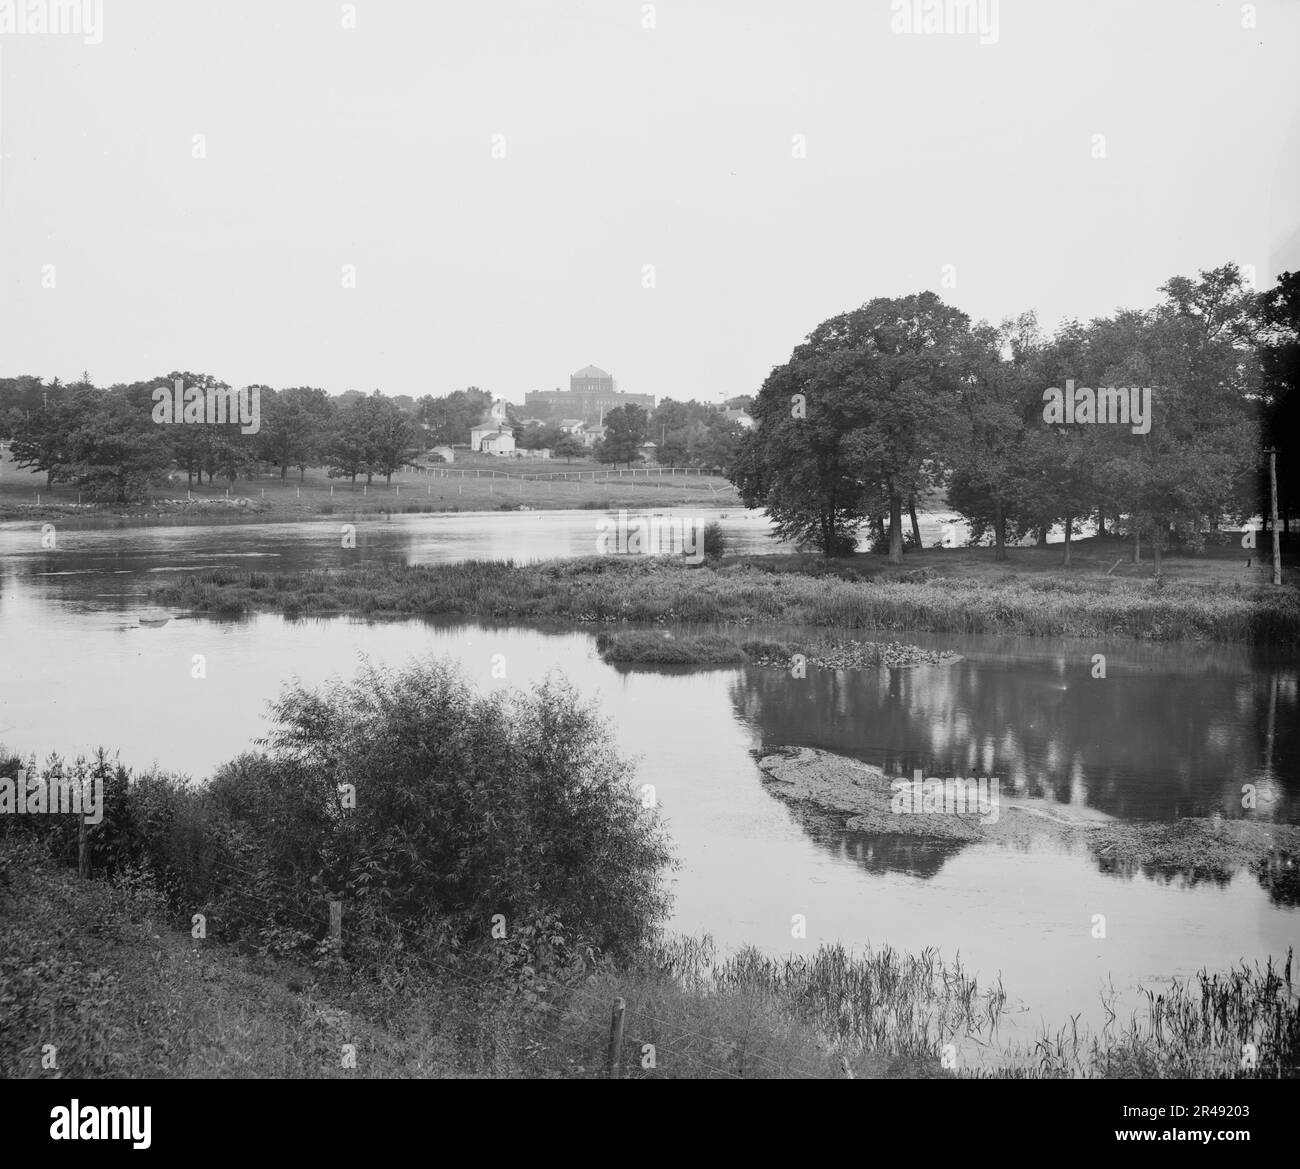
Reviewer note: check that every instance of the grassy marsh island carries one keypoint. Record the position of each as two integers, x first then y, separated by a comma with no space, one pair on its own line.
963,591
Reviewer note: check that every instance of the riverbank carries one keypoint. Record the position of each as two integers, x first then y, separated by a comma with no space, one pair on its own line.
99,971
748,591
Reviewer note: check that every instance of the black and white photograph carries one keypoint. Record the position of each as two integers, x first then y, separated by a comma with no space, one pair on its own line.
567,540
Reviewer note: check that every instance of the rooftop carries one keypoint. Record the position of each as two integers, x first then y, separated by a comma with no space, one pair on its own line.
591,371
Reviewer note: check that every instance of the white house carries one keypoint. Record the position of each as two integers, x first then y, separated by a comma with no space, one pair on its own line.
500,443
493,435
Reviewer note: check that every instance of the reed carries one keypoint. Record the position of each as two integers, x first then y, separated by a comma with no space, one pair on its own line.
652,590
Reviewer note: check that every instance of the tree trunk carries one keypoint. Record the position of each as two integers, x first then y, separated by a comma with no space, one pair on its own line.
1042,535
1137,544
1069,523
999,531
895,529
916,524
1157,543
284,472
1101,522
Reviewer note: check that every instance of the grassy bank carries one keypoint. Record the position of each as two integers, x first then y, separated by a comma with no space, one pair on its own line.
858,595
105,975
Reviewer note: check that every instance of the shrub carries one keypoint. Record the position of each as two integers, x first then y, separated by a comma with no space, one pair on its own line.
466,807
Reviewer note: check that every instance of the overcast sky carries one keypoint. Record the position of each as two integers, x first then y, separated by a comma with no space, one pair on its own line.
624,146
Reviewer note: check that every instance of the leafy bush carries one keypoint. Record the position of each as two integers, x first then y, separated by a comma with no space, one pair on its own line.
466,807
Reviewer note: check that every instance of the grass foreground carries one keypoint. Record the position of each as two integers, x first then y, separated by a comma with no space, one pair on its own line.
95,981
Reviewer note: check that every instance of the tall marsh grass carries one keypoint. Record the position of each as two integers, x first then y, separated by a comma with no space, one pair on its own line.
648,590
1242,1024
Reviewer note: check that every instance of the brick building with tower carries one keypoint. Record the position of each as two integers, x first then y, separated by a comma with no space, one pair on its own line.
591,395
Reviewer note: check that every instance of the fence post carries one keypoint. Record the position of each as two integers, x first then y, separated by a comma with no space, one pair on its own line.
615,1038
336,921
83,845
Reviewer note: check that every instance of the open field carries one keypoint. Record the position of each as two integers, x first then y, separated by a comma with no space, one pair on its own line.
478,483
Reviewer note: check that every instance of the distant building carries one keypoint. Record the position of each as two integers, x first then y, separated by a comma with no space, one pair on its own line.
500,443
739,417
493,436
445,453
591,395
572,426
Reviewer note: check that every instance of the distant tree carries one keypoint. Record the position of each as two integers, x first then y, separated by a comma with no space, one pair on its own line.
448,420
718,447
857,420
293,424
625,431
347,442
1279,357
987,448
802,469
567,448
536,437
391,435
193,447
19,397
117,453
42,439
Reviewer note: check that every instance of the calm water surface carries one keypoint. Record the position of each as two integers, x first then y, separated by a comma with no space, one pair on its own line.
1172,731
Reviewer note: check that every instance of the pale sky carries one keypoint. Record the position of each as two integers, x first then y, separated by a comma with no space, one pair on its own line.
624,146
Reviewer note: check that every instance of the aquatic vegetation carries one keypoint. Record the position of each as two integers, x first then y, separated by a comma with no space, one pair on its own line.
659,590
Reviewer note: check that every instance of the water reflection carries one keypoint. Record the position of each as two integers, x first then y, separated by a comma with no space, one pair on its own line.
1169,733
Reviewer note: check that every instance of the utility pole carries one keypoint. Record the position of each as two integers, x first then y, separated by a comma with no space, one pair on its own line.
1277,537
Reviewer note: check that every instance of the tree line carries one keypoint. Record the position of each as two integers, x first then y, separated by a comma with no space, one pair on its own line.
904,399
107,443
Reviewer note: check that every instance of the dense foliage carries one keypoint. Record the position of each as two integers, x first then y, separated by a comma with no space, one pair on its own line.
429,809
904,397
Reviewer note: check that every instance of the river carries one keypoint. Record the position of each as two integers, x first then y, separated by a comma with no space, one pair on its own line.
1173,730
